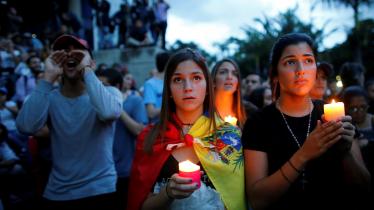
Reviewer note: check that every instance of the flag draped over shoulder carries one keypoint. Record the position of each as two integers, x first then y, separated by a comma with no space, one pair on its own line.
146,167
219,152
221,155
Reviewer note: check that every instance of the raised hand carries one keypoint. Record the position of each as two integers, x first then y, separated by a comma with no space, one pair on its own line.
54,65
85,59
77,55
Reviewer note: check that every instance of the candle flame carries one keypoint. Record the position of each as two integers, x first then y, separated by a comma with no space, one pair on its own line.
230,119
334,102
334,110
188,166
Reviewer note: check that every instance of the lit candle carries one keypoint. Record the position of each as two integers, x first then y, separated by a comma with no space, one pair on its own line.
334,111
190,170
231,120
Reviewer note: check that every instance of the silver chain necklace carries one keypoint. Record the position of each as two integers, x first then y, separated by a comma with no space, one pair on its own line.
289,128
303,180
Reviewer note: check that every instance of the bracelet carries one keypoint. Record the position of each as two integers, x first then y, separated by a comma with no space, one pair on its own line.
167,192
83,70
293,166
284,176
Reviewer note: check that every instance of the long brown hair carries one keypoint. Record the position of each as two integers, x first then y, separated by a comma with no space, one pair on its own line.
168,106
238,103
276,53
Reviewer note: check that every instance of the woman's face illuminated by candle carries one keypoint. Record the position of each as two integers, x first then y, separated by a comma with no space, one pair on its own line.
297,69
188,87
226,78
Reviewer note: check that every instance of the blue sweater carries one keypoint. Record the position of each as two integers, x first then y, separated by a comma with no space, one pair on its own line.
82,130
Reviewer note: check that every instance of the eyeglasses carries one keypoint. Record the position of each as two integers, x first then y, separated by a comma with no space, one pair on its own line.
355,109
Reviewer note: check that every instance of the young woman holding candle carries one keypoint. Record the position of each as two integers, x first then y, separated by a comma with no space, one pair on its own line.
227,91
304,162
188,130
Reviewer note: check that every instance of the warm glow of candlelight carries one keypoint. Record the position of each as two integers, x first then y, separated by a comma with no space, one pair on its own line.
188,166
334,111
230,119
190,170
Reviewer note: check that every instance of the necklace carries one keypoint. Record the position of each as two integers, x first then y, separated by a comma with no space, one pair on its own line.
289,128
303,180
186,128
187,124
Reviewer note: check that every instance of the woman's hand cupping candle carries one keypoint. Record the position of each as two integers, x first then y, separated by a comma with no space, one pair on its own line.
190,170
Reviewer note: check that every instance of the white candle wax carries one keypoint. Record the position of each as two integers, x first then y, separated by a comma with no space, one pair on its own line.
190,170
334,111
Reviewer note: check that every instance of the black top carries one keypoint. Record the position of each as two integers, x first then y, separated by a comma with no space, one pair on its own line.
368,133
138,34
266,131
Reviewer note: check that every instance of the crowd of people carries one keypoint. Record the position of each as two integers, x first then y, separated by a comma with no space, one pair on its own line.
78,135
137,25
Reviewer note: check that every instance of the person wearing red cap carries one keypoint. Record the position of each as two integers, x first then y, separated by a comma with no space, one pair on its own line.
80,115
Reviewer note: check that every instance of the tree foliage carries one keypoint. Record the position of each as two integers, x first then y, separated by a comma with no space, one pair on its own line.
253,51
344,52
355,5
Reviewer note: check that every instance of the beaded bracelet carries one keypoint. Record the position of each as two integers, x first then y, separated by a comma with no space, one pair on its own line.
293,166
